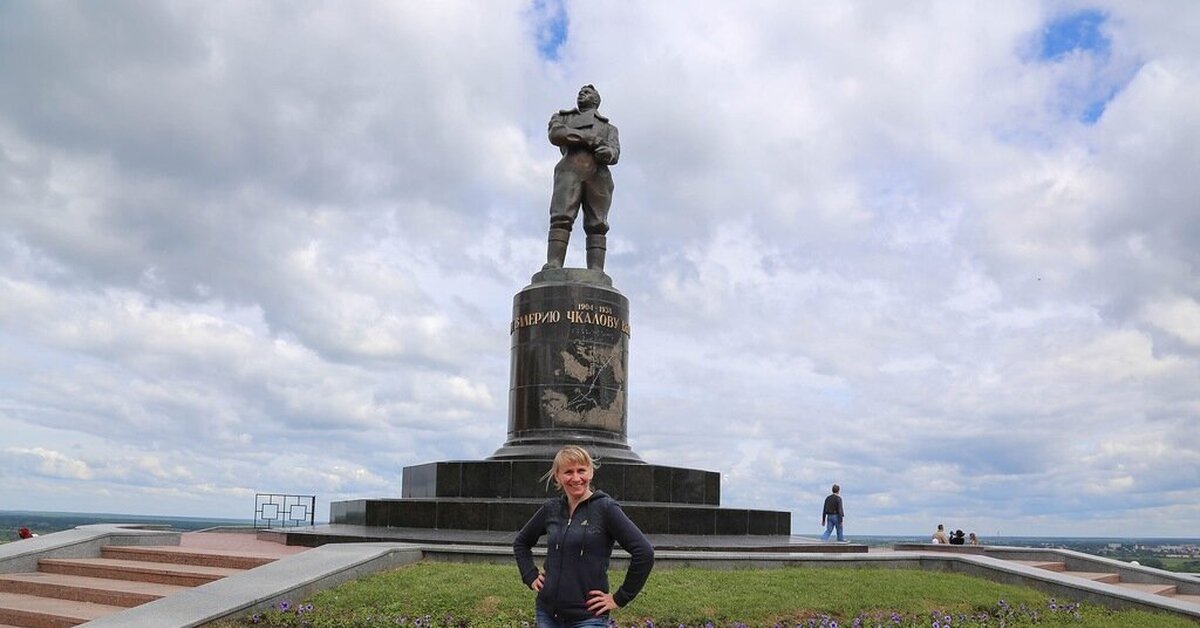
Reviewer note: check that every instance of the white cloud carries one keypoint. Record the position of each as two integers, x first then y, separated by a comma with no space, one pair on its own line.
50,463
1179,317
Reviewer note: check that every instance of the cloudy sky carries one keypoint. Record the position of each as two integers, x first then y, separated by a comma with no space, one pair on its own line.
946,254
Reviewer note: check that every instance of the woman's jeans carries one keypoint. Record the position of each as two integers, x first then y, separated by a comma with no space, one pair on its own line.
546,620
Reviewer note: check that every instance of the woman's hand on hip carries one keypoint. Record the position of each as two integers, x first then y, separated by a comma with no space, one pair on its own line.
538,582
600,602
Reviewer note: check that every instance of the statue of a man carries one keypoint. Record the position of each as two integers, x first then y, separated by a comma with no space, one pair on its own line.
581,179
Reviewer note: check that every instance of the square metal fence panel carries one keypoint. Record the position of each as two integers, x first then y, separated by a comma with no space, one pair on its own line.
275,510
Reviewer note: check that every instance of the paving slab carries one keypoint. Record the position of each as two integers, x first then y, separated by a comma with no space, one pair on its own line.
1097,576
21,608
165,573
1048,565
178,556
107,591
1154,589
346,533
295,577
240,542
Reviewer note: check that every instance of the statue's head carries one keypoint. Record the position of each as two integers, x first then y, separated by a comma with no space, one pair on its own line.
588,98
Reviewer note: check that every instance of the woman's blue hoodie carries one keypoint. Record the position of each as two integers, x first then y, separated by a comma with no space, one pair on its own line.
578,549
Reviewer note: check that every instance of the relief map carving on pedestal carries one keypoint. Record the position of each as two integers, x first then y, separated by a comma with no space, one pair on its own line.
598,400
581,354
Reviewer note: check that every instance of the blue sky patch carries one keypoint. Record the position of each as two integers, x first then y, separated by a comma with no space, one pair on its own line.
551,27
1081,33
1074,31
1092,112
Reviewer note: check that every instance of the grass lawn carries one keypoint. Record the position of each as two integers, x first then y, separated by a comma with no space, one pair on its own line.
431,594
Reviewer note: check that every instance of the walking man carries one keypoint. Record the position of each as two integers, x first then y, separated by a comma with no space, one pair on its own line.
832,514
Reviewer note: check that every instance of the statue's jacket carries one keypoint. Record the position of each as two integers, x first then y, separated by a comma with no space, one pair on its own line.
593,127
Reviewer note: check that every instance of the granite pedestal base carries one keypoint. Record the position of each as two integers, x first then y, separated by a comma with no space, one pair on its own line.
501,495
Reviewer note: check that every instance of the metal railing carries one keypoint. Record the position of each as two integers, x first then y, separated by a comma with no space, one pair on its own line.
275,510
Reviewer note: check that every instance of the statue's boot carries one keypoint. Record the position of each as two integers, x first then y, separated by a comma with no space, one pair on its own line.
556,249
596,246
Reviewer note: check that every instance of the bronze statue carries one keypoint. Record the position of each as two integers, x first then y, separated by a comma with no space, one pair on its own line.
589,146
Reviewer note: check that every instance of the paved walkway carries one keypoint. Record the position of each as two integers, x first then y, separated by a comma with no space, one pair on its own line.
235,542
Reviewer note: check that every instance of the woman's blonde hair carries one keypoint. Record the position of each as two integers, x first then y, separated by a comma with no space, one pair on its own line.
569,455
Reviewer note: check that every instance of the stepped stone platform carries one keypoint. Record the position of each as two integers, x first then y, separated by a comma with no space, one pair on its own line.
501,495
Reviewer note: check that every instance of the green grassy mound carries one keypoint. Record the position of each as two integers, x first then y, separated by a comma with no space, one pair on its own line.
432,595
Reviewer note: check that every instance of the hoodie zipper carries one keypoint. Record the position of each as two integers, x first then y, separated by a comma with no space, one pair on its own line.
570,518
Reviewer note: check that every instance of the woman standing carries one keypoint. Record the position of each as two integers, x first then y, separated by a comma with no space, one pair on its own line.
580,527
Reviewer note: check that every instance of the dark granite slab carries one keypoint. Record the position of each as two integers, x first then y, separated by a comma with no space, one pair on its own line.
314,536
501,479
456,513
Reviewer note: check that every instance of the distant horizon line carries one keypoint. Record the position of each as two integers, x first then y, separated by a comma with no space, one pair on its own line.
873,535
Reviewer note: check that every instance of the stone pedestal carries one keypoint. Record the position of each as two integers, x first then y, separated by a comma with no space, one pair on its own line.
570,363
570,357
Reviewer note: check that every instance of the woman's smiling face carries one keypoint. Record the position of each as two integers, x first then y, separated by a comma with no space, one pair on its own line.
575,479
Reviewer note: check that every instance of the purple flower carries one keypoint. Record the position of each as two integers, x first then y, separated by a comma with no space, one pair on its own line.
256,618
285,605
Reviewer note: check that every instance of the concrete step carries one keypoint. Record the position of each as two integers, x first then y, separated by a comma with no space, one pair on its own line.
163,573
42,612
1183,597
106,591
1098,576
1049,565
1154,589
184,556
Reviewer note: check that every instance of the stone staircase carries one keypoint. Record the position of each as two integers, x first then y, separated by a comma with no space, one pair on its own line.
73,591
1153,588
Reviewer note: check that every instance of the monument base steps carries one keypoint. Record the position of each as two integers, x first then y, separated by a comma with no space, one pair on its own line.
1109,577
69,592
